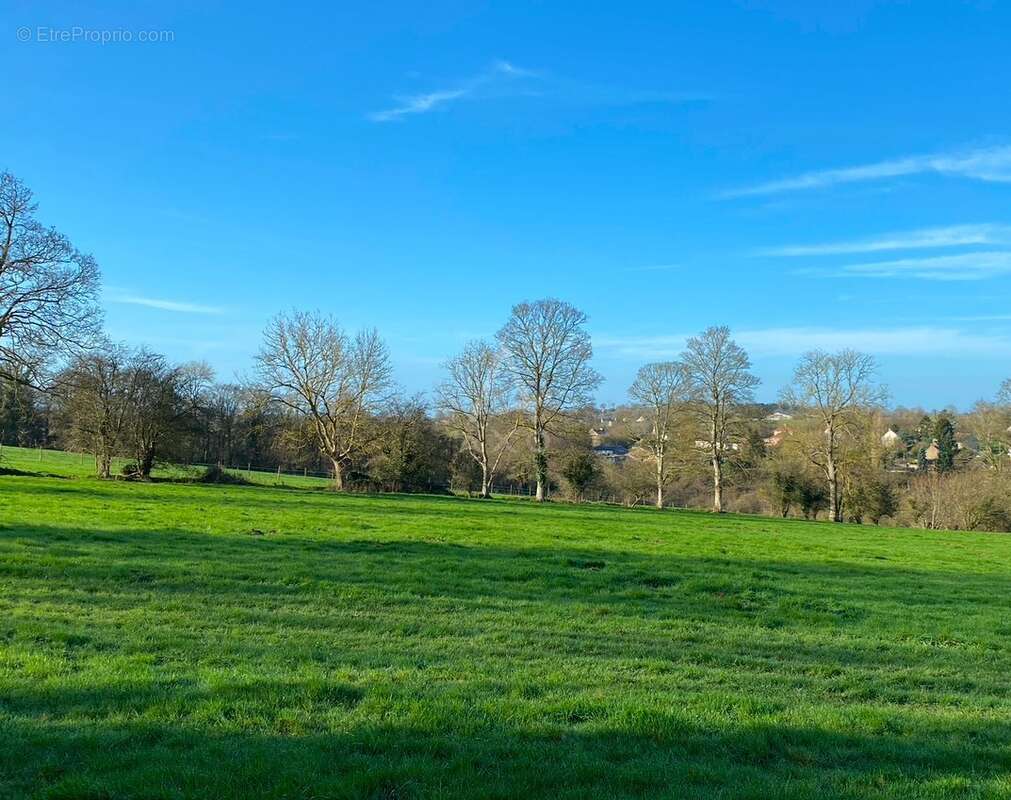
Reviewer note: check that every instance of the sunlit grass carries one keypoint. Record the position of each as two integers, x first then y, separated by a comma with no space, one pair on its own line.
187,641
82,465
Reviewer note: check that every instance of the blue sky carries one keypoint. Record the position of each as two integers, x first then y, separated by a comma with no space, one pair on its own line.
811,175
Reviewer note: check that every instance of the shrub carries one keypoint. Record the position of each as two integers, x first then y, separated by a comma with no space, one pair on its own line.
972,500
465,473
580,471
131,472
217,474
790,485
872,496
813,498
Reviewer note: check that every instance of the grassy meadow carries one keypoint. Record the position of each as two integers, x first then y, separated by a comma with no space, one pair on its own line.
178,640
58,463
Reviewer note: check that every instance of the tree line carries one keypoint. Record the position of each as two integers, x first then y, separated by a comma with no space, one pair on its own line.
516,410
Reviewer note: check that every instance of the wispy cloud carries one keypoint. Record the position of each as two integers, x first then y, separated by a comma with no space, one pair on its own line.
469,88
907,341
642,347
512,69
792,341
961,267
165,305
982,318
504,78
986,164
951,236
419,104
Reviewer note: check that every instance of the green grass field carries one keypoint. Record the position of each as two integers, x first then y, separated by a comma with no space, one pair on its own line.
79,465
174,640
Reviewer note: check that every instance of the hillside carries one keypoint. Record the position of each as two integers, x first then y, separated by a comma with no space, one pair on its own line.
187,641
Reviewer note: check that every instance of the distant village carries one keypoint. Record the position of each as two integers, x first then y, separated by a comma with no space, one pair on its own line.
908,443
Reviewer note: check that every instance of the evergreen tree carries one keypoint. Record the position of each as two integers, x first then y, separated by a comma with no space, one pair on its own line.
944,435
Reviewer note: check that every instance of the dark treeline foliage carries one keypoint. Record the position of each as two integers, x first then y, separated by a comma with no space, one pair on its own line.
511,414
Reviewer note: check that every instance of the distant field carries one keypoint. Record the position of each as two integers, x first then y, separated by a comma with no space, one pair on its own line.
82,465
174,640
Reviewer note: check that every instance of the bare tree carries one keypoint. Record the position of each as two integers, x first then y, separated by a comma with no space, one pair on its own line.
48,288
663,388
223,404
310,366
547,350
165,402
477,393
98,392
837,387
719,374
1004,394
990,423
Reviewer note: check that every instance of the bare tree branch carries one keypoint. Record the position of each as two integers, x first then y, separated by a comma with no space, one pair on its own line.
477,392
310,366
664,389
720,379
548,353
836,387
48,289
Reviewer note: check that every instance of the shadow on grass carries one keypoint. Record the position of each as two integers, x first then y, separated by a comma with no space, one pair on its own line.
20,473
282,740
801,618
440,630
347,552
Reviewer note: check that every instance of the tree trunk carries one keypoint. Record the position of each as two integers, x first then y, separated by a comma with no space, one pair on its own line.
485,470
540,464
104,465
834,498
717,458
146,462
485,482
717,482
659,482
338,475
834,506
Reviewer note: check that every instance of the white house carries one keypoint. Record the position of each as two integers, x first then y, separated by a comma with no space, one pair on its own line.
890,438
702,444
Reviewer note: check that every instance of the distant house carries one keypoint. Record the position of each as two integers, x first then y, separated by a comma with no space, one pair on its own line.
702,444
890,438
615,453
778,416
932,452
596,434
